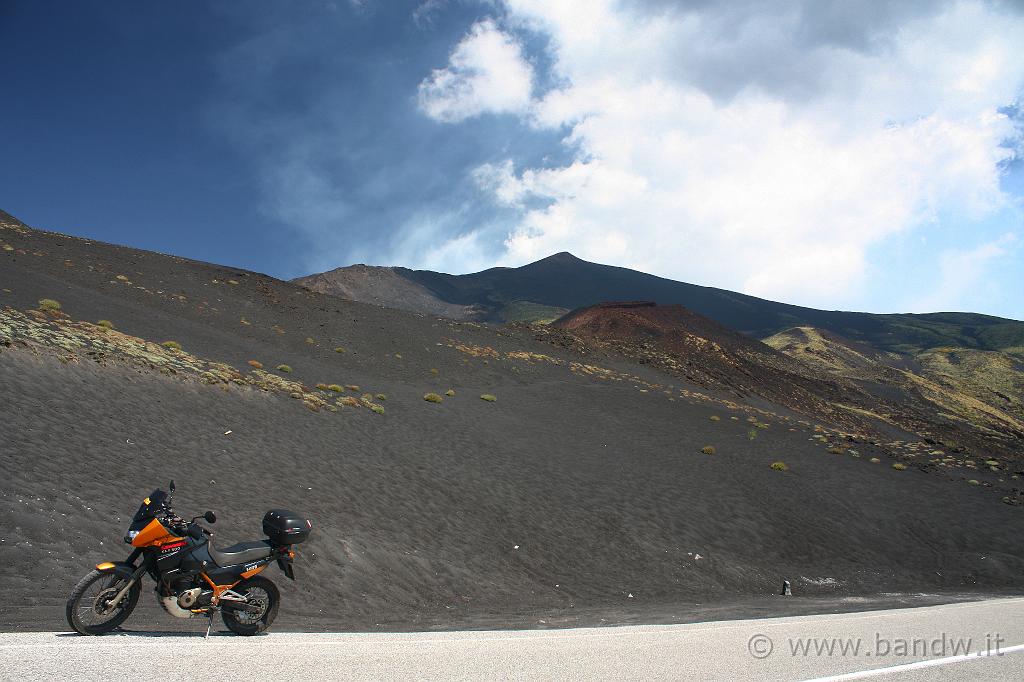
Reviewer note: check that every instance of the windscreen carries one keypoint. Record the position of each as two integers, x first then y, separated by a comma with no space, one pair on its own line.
151,505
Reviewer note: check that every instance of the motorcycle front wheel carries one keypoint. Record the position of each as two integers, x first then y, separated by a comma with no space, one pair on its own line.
90,610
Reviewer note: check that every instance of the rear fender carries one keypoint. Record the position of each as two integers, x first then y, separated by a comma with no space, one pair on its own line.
284,562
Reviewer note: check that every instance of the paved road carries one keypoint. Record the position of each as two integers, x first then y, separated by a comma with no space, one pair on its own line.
878,644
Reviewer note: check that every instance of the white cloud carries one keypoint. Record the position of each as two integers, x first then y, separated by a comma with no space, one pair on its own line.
486,73
750,149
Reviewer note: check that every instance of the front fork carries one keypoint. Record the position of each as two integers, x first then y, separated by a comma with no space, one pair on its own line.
125,569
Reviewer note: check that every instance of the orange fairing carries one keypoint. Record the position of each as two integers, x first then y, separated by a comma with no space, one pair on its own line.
153,534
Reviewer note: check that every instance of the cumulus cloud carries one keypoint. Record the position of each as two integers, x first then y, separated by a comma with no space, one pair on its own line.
486,73
765,150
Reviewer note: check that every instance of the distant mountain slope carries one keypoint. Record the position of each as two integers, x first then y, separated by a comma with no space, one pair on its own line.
962,380
563,281
819,373
385,286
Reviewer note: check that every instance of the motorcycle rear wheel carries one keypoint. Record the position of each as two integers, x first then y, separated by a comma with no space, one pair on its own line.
88,611
260,591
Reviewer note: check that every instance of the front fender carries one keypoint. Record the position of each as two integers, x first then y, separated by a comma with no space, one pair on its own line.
121,568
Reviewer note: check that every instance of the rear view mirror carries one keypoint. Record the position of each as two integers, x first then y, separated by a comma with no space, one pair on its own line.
210,517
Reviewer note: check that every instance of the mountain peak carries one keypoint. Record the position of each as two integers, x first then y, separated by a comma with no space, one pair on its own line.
560,258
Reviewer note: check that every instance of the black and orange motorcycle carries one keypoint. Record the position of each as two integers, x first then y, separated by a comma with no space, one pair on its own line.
192,577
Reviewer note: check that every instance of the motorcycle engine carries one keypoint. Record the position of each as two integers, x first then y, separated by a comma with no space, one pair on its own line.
180,603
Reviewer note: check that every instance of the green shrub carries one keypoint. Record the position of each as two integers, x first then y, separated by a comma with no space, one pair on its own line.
310,340
973,481
752,434
339,349
433,370
322,387
708,449
381,396
106,324
433,398
377,408
488,397
337,388
284,368
715,418
992,462
49,304
779,466
450,392
171,345
899,466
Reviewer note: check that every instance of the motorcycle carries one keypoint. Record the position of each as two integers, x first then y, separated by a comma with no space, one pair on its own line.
192,577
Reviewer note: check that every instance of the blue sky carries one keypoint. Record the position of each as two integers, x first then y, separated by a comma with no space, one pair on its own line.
811,152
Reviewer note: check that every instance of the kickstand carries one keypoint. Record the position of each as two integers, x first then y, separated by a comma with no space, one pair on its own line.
209,623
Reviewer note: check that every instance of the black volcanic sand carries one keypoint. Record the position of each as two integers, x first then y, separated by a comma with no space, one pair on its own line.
570,500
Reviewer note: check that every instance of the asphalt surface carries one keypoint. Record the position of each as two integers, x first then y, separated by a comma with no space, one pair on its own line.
925,643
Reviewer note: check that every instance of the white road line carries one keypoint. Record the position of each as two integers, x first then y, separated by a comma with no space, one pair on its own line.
861,674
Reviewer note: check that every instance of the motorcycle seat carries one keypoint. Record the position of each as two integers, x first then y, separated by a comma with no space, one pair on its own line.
242,553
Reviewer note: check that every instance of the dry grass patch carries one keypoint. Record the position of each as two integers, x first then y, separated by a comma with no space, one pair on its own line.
171,345
337,388
284,368
49,304
708,449
488,397
715,418
779,466
106,324
433,398
256,364
450,392
899,466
